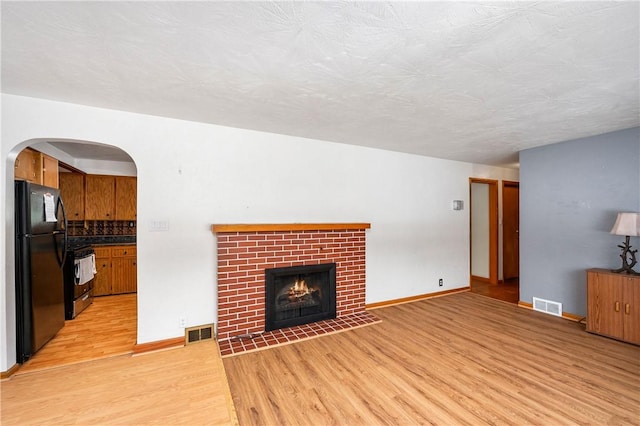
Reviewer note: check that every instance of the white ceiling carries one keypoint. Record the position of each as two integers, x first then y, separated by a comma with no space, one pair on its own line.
475,82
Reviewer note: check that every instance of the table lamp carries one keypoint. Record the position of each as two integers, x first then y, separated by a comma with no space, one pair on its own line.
627,224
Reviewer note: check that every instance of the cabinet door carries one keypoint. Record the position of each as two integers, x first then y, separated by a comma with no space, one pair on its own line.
100,197
102,280
72,192
21,166
604,304
28,166
631,309
126,198
49,171
124,275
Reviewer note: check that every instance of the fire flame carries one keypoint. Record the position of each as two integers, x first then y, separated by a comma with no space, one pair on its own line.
300,286
298,290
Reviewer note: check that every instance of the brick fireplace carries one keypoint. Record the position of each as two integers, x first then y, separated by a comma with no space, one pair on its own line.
245,252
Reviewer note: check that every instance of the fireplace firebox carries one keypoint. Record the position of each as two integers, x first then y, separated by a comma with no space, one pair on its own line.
299,295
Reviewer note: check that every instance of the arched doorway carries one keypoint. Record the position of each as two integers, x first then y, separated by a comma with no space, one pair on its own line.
100,330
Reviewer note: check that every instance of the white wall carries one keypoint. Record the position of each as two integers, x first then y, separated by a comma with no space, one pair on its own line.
193,175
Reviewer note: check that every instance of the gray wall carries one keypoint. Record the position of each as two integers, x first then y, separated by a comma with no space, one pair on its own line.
570,194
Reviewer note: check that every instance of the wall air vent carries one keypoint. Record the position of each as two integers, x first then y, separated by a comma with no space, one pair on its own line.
547,306
199,333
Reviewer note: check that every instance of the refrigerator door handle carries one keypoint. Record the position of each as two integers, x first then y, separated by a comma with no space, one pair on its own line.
65,239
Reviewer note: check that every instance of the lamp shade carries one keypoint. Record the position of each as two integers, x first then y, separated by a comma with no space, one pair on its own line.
627,224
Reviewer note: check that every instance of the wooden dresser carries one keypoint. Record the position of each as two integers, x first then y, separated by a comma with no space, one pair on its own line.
613,305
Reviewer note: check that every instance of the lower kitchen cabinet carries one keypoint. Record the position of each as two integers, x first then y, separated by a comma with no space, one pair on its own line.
102,280
124,270
117,270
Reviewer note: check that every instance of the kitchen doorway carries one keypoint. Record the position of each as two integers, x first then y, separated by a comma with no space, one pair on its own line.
108,327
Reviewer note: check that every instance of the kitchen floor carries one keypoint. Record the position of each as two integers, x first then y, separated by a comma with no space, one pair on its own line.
106,328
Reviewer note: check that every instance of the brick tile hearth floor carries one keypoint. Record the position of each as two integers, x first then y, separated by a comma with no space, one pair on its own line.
238,345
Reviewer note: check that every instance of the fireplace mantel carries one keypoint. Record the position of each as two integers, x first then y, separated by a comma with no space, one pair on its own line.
266,227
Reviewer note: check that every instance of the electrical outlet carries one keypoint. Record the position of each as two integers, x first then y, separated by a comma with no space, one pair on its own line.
183,322
440,282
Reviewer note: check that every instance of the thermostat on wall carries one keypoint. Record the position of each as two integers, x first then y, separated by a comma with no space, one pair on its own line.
458,204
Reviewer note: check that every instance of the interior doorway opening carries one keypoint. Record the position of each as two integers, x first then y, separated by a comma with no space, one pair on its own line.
108,327
484,230
494,249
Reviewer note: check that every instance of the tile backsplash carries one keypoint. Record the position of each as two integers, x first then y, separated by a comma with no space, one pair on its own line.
96,228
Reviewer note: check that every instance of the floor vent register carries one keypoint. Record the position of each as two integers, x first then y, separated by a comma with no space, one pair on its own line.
199,333
547,306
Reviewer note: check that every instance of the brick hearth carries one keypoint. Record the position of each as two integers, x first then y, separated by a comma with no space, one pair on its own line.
245,251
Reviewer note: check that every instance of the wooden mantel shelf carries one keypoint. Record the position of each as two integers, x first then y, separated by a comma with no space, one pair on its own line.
263,227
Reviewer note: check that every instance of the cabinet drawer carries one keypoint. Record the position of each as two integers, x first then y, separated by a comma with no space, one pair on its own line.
102,251
123,251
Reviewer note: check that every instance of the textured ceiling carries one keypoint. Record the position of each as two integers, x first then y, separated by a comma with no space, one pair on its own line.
474,82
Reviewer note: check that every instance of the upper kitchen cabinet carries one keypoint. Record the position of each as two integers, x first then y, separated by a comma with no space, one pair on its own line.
28,166
50,171
100,196
72,192
110,197
36,167
126,197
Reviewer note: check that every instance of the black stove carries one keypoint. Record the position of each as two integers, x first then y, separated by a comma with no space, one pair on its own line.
78,271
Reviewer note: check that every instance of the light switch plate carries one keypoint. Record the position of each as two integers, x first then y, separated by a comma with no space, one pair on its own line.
159,225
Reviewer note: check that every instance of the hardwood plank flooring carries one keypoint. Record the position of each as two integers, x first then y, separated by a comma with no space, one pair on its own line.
172,387
459,359
108,327
509,290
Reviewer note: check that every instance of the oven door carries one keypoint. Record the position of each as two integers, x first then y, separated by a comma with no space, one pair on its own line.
79,263
77,297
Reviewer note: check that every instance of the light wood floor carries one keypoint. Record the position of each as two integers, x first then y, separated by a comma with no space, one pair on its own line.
458,359
172,387
108,327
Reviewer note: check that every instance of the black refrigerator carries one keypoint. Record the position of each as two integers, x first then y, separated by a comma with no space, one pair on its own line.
41,242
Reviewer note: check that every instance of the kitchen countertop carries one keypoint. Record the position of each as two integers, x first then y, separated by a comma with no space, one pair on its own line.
115,240
112,244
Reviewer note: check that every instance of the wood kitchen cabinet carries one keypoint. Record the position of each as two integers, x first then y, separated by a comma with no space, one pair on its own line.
613,305
102,280
110,197
124,270
117,270
28,166
36,167
100,195
49,171
126,197
72,192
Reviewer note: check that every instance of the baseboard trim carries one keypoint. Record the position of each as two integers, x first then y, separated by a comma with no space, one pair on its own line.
415,298
158,345
566,315
10,372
